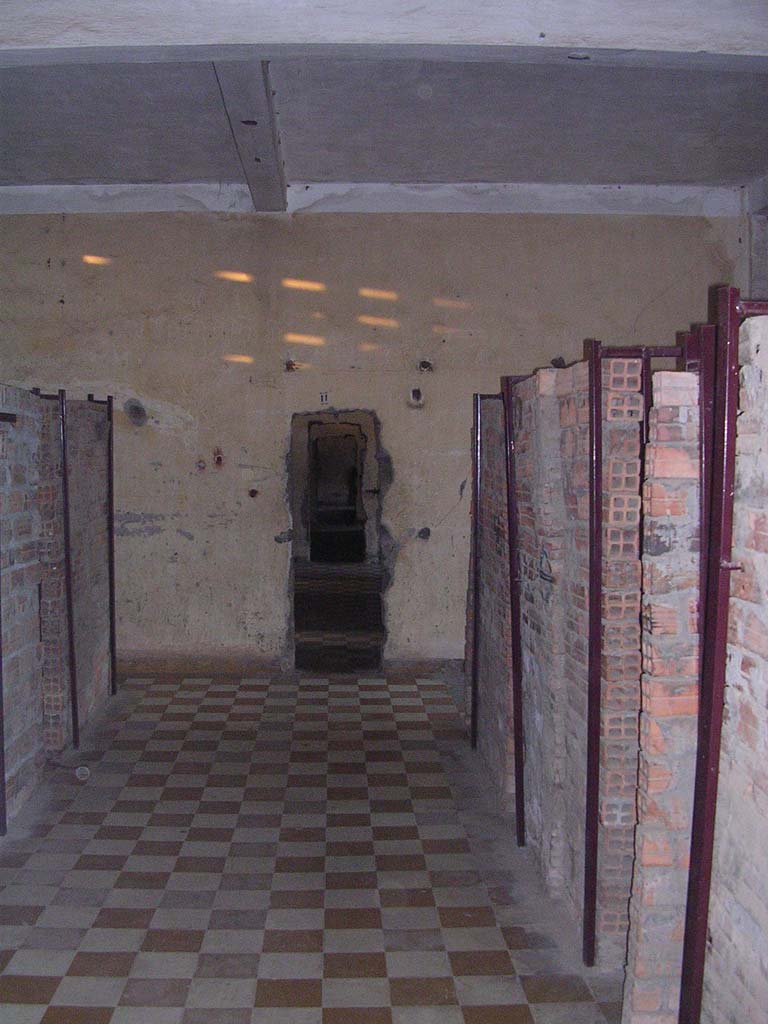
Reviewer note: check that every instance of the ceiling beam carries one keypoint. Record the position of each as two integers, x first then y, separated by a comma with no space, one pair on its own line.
247,97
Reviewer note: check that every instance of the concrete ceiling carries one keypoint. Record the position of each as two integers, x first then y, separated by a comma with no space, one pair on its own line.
330,119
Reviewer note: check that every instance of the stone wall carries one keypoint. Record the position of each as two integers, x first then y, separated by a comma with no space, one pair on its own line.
19,547
736,977
87,454
668,719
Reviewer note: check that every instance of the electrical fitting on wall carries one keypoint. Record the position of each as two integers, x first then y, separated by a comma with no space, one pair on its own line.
416,398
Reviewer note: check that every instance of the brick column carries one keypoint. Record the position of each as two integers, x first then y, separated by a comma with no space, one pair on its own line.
623,411
668,720
20,526
736,976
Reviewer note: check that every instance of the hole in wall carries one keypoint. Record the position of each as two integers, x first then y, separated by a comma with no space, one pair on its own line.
135,412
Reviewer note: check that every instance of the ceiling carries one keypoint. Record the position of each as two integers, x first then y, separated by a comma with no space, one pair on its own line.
329,119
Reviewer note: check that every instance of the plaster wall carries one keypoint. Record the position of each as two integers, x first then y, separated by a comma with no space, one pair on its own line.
199,569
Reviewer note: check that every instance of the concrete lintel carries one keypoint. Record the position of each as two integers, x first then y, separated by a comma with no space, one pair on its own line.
247,99
665,200
226,197
340,197
450,53
687,25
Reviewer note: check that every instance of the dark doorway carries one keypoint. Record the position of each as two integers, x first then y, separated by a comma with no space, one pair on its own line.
338,621
336,513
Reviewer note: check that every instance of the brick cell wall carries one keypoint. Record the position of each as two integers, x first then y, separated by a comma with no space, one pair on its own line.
623,411
541,531
668,720
57,720
19,540
495,741
736,979
87,438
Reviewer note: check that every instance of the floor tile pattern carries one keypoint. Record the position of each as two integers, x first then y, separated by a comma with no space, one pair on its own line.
279,850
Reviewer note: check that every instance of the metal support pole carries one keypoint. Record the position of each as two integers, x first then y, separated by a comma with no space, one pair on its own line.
719,505
111,543
476,475
68,571
518,731
593,354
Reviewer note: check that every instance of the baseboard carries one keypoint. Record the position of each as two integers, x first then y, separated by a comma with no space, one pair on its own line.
172,663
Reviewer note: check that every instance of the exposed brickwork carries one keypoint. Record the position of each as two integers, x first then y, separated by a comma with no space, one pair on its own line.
19,543
623,410
495,740
668,720
87,439
57,719
736,979
541,515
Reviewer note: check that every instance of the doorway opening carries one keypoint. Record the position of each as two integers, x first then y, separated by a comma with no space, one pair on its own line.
335,468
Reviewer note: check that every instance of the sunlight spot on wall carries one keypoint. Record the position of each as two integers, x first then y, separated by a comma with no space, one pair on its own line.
238,276
235,357
368,346
377,293
303,339
379,321
451,303
317,315
96,261
301,285
444,329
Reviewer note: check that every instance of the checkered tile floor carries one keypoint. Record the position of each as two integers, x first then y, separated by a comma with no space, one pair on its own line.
278,850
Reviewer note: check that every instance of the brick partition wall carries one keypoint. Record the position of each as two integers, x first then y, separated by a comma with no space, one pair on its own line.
668,719
57,716
87,454
495,741
736,977
541,532
19,543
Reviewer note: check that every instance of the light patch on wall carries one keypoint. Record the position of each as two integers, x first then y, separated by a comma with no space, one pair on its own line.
451,303
317,315
235,357
377,293
299,284
368,346
238,276
379,321
96,261
304,339
444,329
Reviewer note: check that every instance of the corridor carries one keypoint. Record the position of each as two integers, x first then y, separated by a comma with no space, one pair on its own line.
280,850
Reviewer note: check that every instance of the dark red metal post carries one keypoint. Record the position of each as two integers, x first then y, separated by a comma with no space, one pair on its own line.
68,570
111,542
518,732
714,642
593,355
476,476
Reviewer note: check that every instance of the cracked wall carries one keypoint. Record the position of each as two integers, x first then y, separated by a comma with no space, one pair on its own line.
199,571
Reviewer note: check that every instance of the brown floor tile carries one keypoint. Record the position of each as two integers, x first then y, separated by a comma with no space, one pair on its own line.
300,865
556,988
400,862
217,1016
351,880
293,941
26,988
363,848
357,1015
77,1015
210,835
522,938
142,880
481,962
302,835
172,940
297,899
124,832
354,965
353,917
239,920
215,865
384,833
19,915
149,848
101,965
155,992
446,846
289,993
123,917
422,992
